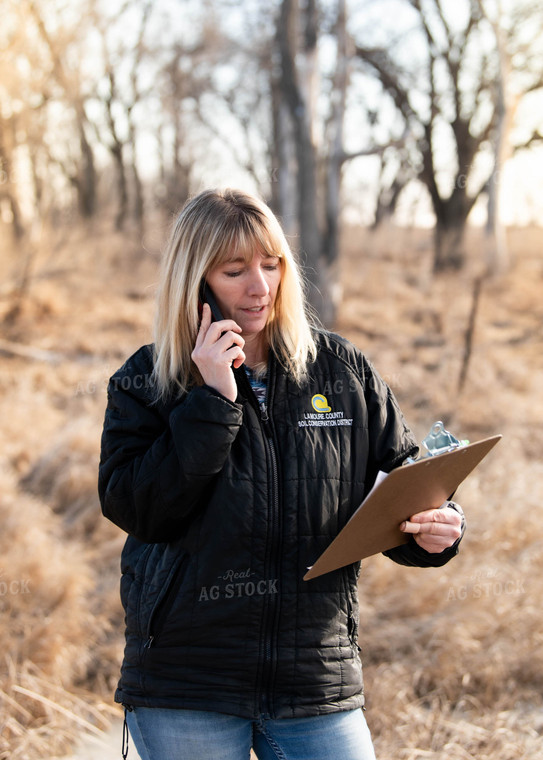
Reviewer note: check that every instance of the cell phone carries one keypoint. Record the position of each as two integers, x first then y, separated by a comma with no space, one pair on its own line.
206,296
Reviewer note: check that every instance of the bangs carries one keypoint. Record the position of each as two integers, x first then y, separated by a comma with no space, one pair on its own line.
243,237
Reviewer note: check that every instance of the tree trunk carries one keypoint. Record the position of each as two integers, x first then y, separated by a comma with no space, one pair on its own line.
449,245
497,254
315,267
180,180
337,118
388,197
122,188
7,187
116,148
86,181
283,185
136,179
451,213
139,207
37,181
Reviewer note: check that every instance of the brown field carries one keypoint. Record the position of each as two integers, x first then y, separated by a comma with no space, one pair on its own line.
453,657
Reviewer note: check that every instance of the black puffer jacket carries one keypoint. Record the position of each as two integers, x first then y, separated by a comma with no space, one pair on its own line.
226,506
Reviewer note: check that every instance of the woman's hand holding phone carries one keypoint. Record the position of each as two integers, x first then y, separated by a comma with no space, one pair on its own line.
218,348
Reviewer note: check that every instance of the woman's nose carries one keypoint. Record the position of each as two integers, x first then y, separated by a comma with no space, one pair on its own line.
258,285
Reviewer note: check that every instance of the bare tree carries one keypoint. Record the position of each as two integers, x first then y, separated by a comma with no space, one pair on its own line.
24,96
317,144
84,178
116,145
395,173
277,94
452,97
175,89
298,70
118,130
7,189
517,36
446,51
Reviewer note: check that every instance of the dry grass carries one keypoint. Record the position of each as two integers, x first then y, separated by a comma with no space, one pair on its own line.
61,619
50,628
453,657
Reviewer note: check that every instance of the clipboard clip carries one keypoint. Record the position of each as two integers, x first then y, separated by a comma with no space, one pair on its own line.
438,441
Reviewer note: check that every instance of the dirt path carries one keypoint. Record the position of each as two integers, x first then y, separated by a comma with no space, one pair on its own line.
107,747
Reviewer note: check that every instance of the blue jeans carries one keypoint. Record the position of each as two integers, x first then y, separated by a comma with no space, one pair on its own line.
165,734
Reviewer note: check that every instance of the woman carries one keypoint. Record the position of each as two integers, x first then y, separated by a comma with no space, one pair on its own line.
234,450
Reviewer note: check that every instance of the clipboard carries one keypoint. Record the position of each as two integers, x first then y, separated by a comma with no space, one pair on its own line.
408,489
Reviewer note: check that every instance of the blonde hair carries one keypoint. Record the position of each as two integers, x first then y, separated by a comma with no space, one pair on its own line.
212,227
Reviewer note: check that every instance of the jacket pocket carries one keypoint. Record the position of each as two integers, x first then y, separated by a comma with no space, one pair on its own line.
134,568
352,624
350,579
165,600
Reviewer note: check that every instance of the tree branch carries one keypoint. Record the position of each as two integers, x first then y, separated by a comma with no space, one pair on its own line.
535,138
375,150
389,75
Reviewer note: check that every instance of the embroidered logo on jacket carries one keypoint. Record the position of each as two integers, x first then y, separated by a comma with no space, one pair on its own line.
320,403
323,416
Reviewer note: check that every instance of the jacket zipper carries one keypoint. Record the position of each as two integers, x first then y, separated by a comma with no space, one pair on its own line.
270,617
270,612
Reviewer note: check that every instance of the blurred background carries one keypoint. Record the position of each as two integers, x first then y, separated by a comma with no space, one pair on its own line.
400,142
